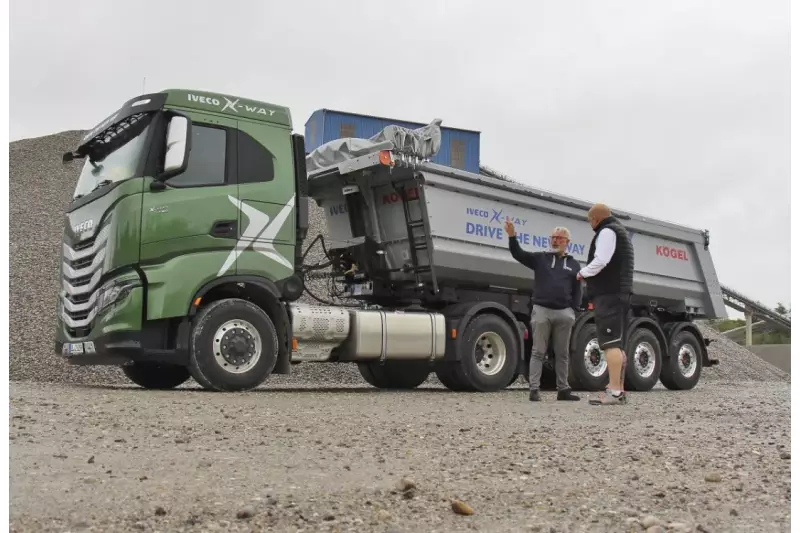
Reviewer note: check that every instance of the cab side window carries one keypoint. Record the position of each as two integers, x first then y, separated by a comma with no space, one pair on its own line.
207,159
256,163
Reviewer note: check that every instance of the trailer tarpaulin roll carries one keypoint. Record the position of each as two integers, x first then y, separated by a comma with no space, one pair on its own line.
422,142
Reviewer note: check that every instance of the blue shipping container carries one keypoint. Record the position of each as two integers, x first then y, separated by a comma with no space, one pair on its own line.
460,148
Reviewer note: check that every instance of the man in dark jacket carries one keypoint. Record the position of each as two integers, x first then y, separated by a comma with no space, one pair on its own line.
609,285
556,300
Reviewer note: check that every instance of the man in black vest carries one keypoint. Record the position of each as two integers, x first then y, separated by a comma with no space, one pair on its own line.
609,285
556,301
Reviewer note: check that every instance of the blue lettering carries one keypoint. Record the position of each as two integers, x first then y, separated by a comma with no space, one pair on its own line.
338,209
479,229
477,212
525,238
470,228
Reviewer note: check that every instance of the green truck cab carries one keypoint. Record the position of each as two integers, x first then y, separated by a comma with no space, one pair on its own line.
180,246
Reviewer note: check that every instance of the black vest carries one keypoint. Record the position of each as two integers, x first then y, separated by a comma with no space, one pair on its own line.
617,276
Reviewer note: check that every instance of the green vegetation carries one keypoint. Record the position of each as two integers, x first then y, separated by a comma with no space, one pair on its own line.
763,335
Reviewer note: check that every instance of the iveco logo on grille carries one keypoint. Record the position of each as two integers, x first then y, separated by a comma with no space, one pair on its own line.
83,226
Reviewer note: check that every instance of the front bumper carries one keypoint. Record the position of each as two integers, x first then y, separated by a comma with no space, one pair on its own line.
118,336
117,349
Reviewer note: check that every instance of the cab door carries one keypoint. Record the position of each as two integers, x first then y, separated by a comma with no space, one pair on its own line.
265,170
190,228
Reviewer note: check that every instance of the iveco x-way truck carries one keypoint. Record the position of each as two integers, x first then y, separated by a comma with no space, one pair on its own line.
183,257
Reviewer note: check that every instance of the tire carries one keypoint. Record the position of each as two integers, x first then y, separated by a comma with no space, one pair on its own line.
446,372
513,380
236,321
402,375
684,348
588,369
494,340
156,376
643,368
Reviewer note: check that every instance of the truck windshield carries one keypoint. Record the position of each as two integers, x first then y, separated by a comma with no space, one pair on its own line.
119,164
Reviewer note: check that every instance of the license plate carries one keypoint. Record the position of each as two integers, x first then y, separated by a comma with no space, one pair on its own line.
73,348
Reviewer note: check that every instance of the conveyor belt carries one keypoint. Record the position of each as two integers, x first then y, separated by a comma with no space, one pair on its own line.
736,300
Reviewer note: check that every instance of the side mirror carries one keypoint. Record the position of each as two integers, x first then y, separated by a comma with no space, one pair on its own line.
176,158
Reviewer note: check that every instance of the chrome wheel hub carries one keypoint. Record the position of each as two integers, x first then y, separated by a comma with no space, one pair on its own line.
490,353
237,346
594,359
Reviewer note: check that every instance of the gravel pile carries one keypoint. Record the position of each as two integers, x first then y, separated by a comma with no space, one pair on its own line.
737,363
40,189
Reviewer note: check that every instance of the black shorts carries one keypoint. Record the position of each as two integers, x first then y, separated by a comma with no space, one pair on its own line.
611,319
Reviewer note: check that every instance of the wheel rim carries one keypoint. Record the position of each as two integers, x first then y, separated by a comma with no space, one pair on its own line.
687,360
594,359
237,346
490,353
644,359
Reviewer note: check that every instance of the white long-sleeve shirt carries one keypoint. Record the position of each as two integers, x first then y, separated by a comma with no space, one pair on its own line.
603,250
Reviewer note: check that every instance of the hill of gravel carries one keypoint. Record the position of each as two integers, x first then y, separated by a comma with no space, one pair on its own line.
40,189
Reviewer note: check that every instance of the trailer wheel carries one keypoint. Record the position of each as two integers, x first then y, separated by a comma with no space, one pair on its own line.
395,374
234,346
489,354
643,354
156,376
682,369
588,367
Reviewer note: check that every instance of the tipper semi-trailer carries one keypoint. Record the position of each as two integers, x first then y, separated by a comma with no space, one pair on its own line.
183,257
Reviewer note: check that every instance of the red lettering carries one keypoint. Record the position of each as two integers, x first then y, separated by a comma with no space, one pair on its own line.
672,253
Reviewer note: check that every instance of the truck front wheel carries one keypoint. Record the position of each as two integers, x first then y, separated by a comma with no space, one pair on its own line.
234,346
156,376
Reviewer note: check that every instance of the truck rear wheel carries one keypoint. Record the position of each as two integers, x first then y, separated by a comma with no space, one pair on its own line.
643,353
588,367
395,374
681,370
156,376
234,346
489,356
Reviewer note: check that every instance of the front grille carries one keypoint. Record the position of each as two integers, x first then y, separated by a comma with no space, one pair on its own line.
82,270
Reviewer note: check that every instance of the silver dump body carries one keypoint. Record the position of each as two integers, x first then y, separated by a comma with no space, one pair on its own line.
461,220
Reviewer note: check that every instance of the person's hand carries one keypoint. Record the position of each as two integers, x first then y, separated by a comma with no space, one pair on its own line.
579,277
510,229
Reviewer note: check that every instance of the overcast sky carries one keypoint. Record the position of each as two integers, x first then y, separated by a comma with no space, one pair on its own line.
673,109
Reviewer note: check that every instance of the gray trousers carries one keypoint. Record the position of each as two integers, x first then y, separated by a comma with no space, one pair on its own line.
544,322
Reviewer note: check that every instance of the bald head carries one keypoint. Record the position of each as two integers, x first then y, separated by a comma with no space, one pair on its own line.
598,213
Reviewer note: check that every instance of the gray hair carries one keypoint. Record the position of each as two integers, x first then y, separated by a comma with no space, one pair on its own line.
562,230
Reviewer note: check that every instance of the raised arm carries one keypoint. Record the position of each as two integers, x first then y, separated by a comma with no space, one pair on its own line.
529,259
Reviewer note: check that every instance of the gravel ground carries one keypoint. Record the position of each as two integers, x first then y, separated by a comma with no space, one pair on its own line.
90,458
41,187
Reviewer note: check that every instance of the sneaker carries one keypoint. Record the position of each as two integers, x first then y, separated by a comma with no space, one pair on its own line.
534,397
566,395
608,398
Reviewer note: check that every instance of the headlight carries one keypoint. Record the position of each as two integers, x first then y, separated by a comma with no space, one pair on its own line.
115,291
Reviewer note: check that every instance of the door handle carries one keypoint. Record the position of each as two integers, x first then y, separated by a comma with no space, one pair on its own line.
224,228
